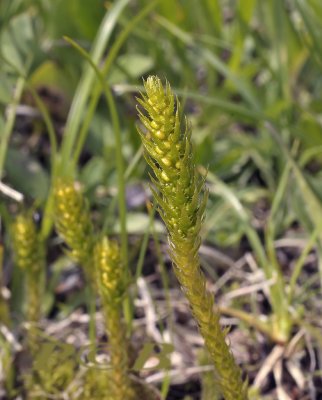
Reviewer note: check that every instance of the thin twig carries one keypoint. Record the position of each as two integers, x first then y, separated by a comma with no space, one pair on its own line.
12,193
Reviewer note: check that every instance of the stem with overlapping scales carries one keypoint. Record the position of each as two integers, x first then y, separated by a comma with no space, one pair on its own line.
112,285
29,256
180,194
74,225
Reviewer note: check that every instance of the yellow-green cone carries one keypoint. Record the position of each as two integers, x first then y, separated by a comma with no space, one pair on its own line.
30,256
112,286
180,194
73,224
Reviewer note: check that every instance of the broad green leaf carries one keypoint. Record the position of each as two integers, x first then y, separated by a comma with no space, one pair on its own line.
18,42
93,172
26,175
75,18
50,74
131,66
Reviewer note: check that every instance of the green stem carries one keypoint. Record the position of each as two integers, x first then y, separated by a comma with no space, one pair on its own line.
85,86
109,214
49,125
120,175
91,304
10,122
165,283
277,290
122,198
300,263
102,76
75,138
253,321
139,265
121,384
47,220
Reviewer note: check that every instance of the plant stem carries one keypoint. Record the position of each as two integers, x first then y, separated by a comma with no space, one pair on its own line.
85,85
10,122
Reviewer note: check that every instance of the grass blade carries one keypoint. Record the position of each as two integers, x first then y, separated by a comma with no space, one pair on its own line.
213,60
85,86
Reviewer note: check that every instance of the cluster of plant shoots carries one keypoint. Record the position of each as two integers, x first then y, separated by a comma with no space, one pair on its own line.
181,197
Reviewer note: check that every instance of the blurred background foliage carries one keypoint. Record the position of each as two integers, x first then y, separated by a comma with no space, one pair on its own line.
247,72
